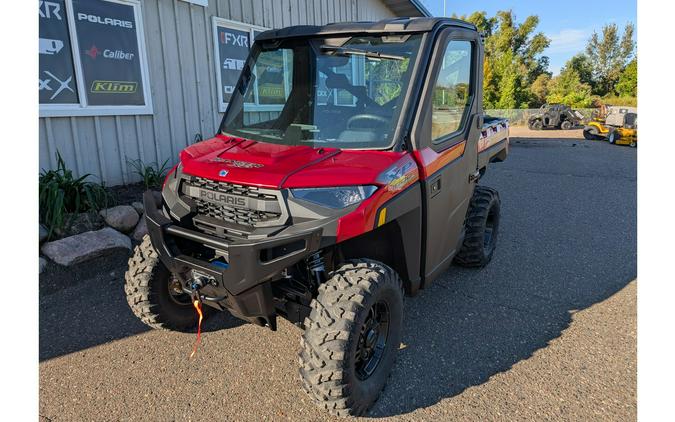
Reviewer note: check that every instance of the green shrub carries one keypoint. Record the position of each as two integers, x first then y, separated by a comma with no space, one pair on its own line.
62,195
620,101
152,174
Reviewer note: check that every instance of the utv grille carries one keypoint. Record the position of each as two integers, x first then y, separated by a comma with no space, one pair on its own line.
257,206
234,215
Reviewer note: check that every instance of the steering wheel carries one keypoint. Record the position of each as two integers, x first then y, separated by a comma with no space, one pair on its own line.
366,117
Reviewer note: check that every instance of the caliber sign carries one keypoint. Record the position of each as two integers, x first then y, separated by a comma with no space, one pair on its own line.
109,53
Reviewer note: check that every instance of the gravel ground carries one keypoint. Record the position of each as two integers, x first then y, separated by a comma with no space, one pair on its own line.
546,331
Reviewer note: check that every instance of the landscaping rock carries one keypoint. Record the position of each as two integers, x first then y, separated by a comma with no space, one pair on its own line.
43,264
83,247
138,206
80,223
43,233
122,217
140,230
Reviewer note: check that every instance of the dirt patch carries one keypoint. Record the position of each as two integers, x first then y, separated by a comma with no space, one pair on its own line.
56,277
126,194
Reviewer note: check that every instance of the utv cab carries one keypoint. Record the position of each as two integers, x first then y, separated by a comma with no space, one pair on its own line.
555,116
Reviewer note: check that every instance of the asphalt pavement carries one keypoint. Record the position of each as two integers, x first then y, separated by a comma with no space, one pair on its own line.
546,331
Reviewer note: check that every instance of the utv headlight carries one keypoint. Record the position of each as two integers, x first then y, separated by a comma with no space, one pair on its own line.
338,197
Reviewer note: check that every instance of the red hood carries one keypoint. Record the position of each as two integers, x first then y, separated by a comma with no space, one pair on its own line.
275,166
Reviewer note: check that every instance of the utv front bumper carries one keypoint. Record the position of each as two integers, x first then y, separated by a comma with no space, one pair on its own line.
243,284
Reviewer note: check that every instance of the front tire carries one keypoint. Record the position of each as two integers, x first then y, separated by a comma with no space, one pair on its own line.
352,336
536,125
613,137
481,228
566,125
147,286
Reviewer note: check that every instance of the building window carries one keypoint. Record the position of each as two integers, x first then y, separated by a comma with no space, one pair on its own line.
92,58
232,41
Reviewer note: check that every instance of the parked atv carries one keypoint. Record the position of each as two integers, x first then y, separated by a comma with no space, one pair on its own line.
361,187
555,116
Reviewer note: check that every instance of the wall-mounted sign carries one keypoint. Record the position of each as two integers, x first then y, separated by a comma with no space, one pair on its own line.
57,74
92,58
232,41
111,66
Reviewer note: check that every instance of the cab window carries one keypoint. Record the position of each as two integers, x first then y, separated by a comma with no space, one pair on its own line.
452,91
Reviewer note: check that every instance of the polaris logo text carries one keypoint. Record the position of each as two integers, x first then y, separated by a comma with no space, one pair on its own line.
113,87
105,21
221,198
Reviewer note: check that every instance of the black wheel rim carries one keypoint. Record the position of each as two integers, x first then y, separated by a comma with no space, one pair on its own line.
490,232
372,340
176,293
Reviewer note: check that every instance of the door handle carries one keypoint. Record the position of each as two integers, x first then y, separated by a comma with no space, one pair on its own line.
473,177
435,187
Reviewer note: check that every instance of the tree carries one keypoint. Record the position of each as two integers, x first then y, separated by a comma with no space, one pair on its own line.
540,89
568,89
627,85
513,58
582,64
608,56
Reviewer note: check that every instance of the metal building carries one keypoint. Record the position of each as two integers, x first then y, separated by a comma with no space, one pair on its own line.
141,79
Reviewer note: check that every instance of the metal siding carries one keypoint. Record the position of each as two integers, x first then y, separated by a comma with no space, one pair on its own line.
183,84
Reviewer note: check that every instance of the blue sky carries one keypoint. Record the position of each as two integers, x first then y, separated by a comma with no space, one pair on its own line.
568,24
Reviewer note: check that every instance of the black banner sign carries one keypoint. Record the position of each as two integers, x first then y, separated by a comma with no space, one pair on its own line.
109,52
57,73
233,46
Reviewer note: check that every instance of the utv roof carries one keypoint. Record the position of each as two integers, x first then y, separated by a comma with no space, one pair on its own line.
395,25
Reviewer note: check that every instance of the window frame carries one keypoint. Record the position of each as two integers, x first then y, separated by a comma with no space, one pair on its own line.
452,137
82,108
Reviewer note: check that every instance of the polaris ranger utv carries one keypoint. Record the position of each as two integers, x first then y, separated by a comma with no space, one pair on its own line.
343,177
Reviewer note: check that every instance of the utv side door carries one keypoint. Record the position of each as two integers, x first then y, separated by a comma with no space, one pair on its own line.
445,136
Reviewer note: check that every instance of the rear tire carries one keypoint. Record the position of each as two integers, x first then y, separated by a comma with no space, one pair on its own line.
147,289
482,228
536,125
346,356
590,135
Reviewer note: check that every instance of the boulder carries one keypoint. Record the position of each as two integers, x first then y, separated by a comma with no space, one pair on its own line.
43,233
83,247
80,223
140,230
138,206
122,217
43,264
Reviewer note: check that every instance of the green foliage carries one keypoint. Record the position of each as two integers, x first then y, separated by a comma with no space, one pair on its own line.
513,58
539,89
613,100
582,64
608,55
62,195
152,174
568,89
627,85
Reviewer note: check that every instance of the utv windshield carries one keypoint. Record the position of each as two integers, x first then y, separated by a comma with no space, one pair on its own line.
331,92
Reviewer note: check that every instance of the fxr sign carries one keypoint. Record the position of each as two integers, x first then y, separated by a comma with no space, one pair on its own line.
237,40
